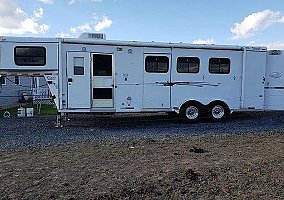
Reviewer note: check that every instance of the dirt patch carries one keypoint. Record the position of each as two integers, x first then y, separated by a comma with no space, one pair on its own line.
233,167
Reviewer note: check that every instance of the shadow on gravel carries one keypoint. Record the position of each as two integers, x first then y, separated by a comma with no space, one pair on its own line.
41,131
197,150
135,120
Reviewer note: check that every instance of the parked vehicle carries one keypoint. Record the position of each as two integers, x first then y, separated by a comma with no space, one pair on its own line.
90,74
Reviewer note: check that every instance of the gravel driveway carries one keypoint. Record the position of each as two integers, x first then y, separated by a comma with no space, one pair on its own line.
19,133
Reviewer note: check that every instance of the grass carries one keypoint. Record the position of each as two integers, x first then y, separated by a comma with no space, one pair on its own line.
44,110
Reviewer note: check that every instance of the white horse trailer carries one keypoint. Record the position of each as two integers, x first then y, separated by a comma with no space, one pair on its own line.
91,75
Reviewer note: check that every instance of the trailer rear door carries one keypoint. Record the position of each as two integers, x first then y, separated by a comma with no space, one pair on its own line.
79,82
254,80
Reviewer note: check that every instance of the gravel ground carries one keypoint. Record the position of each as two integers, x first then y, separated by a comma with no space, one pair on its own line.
149,156
21,133
233,167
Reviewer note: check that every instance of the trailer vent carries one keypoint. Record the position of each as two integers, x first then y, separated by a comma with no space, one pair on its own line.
97,36
275,52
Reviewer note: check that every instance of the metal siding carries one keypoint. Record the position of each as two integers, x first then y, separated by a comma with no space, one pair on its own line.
9,93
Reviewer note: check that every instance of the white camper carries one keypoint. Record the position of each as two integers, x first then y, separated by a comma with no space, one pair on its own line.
90,74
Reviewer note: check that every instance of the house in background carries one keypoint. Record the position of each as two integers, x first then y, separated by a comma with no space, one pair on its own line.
15,90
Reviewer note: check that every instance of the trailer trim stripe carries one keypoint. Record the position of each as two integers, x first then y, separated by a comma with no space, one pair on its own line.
277,88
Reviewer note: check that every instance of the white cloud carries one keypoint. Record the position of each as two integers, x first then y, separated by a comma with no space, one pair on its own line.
43,28
278,45
201,41
80,29
105,23
63,35
38,14
95,25
46,1
256,22
71,2
13,20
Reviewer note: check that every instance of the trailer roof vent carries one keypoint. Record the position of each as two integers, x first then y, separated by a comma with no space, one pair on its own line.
98,36
274,52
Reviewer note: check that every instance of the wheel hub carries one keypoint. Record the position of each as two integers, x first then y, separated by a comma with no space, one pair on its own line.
192,112
218,112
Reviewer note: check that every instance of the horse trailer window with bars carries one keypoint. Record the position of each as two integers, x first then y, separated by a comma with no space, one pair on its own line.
219,65
157,64
188,64
30,56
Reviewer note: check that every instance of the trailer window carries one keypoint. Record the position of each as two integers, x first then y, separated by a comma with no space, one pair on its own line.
102,65
2,80
188,65
102,93
30,56
157,64
79,66
219,65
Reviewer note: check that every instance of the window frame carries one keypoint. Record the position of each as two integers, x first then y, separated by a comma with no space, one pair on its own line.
30,64
219,67
188,63
157,56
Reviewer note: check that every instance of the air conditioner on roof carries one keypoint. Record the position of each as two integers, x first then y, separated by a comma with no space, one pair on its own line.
98,36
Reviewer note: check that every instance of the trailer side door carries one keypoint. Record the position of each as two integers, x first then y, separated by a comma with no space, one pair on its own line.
157,88
78,71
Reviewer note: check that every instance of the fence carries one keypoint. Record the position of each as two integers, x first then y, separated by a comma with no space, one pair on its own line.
35,96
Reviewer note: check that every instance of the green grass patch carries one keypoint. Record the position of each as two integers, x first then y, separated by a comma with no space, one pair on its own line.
44,110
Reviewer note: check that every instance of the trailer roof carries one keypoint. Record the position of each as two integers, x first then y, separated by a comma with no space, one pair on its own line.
128,43
28,39
150,44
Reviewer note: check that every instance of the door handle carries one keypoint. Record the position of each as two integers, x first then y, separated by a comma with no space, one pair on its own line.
70,80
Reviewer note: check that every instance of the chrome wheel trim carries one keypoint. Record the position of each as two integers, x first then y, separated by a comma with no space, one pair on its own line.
218,112
191,112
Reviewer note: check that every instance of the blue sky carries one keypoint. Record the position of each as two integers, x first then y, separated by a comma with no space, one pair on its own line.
241,22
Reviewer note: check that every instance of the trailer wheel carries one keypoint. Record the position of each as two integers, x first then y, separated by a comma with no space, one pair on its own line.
217,111
191,112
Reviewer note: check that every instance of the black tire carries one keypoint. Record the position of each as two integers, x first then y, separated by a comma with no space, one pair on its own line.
191,112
